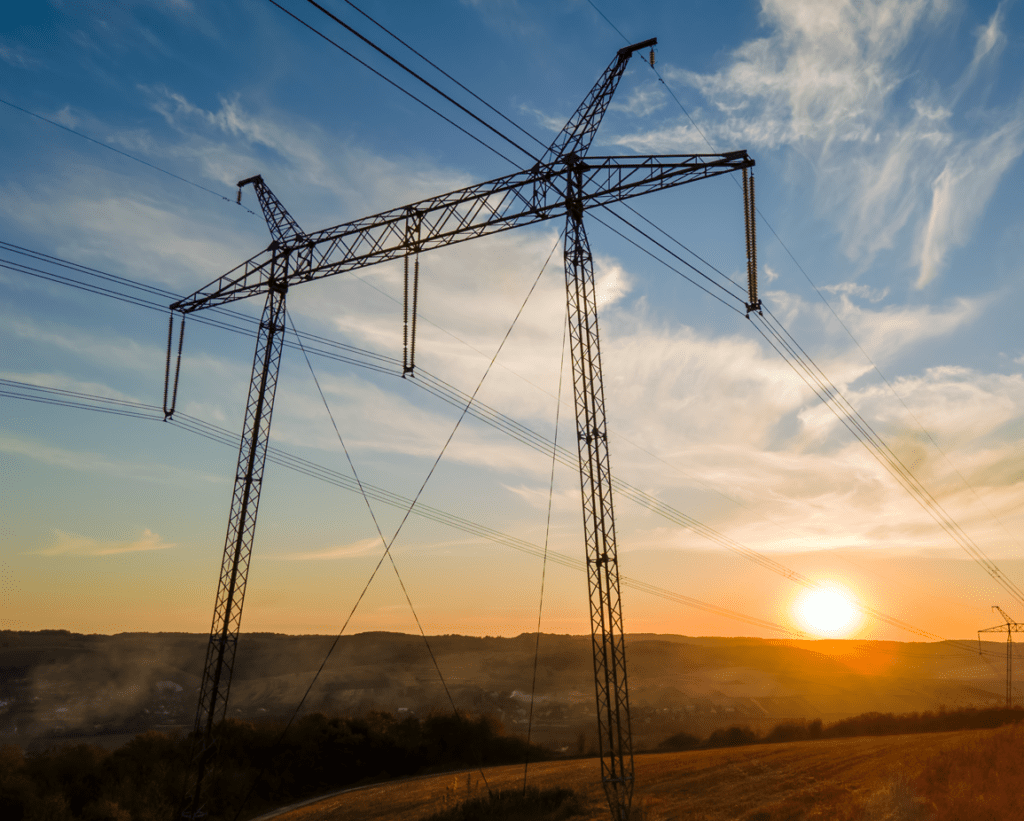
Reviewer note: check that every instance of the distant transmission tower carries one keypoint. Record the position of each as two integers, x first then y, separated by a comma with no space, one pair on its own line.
1010,627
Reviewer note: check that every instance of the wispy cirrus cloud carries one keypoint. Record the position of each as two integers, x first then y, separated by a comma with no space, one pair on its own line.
363,547
961,191
91,462
832,81
70,544
17,56
232,142
642,101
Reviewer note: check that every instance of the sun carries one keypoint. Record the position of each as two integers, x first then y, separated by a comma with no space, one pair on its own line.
828,611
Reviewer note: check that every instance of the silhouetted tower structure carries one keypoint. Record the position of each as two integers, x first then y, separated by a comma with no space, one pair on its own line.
564,182
1011,627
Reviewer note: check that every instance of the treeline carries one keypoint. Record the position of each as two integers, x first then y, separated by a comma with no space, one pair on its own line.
866,724
144,779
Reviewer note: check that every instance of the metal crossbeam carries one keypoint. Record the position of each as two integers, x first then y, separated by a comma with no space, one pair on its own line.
518,199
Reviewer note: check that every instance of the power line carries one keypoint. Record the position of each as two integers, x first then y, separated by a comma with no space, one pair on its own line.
544,561
433,65
388,80
388,543
85,401
740,298
444,391
609,22
78,400
124,154
827,391
386,554
833,398
425,82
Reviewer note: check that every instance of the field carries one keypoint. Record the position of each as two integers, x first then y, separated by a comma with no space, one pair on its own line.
894,778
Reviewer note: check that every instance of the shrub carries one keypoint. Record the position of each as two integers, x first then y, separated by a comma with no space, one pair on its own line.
679,742
790,731
143,780
515,805
734,736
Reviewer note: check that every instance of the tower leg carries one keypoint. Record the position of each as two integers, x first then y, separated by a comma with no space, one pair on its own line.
1009,668
227,612
614,731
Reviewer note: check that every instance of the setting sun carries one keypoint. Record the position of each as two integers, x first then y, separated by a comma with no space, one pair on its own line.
827,611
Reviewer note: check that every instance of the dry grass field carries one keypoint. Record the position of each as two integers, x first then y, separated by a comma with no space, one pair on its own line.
895,778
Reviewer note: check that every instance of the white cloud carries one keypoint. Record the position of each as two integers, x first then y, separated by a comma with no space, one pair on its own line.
669,139
230,144
363,547
120,353
853,289
69,544
552,123
884,332
990,41
67,383
95,463
642,101
821,76
961,191
833,82
17,56
92,217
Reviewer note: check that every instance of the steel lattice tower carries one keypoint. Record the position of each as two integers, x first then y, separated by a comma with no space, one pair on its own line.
566,181
614,734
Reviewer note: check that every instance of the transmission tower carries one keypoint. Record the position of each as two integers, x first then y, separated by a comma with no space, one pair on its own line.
564,182
1011,627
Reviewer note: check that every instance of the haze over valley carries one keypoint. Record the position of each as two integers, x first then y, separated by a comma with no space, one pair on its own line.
59,687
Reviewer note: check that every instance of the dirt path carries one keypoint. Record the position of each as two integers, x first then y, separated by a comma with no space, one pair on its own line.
799,780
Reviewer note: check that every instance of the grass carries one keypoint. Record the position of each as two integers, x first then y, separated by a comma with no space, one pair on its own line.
972,775
981,779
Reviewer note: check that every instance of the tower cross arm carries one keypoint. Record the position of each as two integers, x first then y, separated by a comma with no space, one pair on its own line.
521,198
1008,625
606,180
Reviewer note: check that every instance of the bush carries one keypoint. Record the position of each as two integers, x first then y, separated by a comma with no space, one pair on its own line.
731,737
516,805
252,766
679,742
18,794
866,724
790,731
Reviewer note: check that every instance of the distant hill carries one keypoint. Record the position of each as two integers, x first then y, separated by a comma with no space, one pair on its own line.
57,685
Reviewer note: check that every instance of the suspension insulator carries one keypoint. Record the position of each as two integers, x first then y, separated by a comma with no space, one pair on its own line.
171,393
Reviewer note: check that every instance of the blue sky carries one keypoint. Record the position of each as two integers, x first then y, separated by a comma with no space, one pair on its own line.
887,137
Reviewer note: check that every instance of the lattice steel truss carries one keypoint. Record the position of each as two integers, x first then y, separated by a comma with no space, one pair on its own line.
564,182
607,636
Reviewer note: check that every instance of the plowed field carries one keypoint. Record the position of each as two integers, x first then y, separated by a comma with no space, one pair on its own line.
836,780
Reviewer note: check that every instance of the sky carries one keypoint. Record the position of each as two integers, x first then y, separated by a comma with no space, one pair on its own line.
887,138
